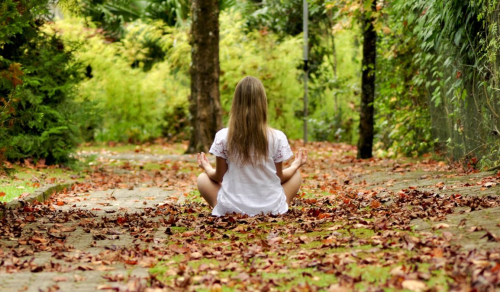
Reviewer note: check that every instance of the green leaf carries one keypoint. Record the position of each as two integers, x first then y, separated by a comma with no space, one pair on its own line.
458,36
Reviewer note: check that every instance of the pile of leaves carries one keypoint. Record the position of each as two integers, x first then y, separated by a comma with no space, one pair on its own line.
339,235
327,240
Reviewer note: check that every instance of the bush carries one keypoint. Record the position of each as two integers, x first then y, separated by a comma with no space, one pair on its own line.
37,78
275,63
133,101
141,101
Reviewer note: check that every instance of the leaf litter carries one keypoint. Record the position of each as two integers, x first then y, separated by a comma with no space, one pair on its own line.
338,228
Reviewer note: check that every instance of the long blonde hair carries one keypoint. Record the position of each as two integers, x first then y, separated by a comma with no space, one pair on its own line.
247,138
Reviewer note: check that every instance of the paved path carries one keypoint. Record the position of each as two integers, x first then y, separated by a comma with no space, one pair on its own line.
137,156
85,242
86,263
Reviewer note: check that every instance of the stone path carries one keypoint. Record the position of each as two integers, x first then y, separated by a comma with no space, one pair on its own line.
464,220
137,156
88,262
87,275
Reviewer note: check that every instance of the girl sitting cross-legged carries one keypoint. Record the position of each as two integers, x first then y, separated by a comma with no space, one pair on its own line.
249,177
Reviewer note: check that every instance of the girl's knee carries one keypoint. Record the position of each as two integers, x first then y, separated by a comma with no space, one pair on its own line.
202,177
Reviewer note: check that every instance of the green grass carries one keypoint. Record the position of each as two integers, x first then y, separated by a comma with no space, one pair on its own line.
371,275
292,277
14,190
25,180
177,148
288,272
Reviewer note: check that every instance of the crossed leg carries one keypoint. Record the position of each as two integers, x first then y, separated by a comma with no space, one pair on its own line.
291,187
209,188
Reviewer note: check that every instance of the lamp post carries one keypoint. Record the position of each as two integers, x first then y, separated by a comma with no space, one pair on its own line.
306,67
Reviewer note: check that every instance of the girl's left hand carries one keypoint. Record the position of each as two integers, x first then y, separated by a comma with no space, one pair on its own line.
203,161
300,158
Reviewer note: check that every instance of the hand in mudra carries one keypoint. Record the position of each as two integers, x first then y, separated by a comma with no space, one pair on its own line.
300,158
203,161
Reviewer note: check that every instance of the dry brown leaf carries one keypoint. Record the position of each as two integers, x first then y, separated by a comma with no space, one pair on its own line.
414,285
440,226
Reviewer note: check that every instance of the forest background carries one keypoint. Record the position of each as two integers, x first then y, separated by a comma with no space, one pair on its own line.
118,71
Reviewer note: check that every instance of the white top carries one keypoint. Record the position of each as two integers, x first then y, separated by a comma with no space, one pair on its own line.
250,189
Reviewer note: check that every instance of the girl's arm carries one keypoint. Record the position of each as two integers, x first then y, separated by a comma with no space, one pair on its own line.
286,174
217,173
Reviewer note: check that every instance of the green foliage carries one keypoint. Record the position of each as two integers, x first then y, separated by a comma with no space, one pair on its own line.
285,18
251,46
402,111
113,15
37,77
333,62
458,67
133,102
139,105
274,62
334,91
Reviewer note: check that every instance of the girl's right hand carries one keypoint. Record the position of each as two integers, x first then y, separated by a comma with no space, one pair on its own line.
300,158
203,161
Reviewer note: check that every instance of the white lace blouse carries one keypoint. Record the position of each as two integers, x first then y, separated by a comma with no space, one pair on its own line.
248,189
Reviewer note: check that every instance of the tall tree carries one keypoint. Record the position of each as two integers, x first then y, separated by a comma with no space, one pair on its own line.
366,120
204,101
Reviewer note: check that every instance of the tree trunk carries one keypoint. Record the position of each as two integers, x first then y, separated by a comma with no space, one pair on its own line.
366,120
204,101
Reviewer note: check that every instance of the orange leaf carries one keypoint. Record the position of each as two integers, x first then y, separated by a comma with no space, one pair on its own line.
188,234
323,215
437,253
121,220
2,194
60,203
375,204
329,240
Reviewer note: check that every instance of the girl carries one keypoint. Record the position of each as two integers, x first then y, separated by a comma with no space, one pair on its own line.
249,177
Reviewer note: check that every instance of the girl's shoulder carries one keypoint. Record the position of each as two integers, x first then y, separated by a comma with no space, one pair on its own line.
278,135
221,134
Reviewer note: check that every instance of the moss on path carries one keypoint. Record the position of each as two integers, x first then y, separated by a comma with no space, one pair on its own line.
137,223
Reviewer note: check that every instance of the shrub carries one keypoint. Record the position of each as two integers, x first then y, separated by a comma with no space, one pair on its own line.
37,78
139,105
132,101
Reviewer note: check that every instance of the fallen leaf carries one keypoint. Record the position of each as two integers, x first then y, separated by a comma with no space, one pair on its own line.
414,285
375,204
437,253
440,226
78,278
489,184
275,240
491,237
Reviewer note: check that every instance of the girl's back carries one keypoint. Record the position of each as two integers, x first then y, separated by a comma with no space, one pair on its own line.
252,188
